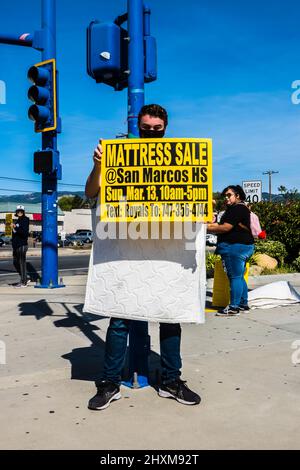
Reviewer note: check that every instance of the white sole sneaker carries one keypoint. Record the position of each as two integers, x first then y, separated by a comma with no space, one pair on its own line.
117,396
232,314
165,394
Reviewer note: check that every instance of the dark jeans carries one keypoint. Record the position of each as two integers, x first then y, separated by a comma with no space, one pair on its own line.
19,255
116,343
234,257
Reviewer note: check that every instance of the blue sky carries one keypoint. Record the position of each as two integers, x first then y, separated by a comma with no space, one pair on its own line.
225,70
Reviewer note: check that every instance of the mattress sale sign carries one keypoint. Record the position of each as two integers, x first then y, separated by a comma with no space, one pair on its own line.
156,179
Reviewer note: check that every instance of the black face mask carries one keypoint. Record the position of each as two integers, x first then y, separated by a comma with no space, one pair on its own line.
151,134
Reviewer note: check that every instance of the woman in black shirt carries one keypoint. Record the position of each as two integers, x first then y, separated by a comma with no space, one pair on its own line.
235,245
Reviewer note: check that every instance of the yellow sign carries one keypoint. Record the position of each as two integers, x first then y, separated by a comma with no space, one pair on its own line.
8,225
156,179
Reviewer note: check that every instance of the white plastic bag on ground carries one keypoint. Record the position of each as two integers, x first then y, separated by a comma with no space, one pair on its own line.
276,294
149,280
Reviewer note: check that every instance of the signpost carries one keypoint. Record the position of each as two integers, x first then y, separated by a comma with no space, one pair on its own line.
253,191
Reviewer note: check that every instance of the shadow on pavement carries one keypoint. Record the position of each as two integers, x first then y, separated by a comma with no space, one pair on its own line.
32,272
86,362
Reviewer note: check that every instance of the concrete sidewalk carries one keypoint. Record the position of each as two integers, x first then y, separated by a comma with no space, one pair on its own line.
242,367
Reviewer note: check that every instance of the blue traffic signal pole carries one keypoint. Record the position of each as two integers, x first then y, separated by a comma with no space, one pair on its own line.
49,181
121,58
139,340
44,40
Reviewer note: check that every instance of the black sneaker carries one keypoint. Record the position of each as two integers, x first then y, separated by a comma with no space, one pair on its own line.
244,308
228,311
106,393
180,392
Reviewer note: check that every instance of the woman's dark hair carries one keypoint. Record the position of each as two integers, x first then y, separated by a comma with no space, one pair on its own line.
154,110
237,189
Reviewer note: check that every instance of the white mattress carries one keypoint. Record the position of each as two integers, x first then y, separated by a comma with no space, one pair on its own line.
149,280
275,294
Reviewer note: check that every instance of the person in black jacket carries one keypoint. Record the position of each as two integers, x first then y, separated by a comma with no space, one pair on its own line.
235,245
20,244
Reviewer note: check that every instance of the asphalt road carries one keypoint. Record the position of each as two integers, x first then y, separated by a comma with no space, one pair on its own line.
68,265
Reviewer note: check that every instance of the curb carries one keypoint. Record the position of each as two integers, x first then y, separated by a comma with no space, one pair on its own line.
31,253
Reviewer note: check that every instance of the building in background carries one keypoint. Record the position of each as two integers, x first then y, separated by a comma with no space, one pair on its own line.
77,219
33,211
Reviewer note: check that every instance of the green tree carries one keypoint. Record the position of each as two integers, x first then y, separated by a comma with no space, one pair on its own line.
65,203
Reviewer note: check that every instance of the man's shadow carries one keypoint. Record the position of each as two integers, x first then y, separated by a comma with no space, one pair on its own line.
86,362
33,274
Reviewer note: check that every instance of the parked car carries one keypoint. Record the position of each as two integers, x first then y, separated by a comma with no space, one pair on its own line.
85,235
70,240
36,235
211,239
6,240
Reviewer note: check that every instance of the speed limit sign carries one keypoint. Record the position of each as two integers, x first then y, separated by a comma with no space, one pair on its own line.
253,191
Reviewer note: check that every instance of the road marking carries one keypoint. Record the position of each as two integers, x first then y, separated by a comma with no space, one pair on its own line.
35,272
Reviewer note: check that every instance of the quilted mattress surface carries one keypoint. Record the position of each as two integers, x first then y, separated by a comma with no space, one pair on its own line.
150,280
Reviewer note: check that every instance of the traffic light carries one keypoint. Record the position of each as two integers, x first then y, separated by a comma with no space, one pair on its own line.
107,55
43,94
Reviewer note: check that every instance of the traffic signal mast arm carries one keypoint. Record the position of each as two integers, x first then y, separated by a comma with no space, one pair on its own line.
25,39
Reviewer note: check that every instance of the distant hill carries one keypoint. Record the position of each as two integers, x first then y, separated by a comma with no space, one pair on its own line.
276,197
35,198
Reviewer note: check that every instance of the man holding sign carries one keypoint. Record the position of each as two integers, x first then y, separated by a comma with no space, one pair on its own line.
152,121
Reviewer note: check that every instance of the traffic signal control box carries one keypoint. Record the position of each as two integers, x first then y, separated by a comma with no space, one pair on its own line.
47,162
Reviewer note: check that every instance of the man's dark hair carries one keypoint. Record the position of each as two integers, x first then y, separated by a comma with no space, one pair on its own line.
237,189
154,110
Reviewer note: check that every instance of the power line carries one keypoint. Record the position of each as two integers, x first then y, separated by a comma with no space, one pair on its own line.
36,181
18,191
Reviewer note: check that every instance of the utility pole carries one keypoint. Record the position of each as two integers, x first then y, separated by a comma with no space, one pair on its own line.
270,173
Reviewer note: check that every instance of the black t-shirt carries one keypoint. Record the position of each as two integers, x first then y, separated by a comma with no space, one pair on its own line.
234,215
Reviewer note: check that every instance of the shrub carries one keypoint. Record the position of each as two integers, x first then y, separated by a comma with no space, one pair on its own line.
296,264
282,223
272,248
211,258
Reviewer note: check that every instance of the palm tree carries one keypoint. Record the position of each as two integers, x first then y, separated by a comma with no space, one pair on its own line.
283,190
